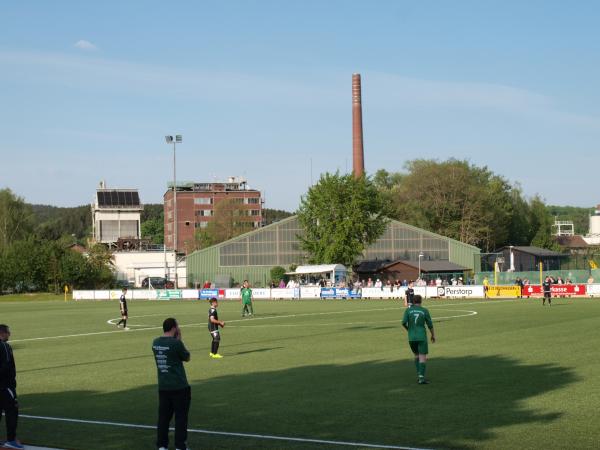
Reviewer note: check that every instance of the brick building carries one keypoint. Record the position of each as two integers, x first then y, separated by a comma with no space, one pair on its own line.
196,204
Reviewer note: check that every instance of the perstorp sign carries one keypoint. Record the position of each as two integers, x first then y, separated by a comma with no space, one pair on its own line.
455,291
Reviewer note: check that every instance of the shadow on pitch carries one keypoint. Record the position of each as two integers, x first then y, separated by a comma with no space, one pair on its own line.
471,399
258,350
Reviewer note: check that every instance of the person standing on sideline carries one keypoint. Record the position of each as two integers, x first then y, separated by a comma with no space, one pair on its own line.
213,328
8,390
410,295
123,308
547,286
174,392
414,321
246,297
486,286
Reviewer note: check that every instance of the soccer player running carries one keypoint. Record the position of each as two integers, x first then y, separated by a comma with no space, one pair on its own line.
213,327
415,319
547,286
123,308
174,392
410,295
246,297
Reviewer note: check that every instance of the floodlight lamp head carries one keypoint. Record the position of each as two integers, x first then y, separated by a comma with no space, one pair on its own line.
178,139
169,139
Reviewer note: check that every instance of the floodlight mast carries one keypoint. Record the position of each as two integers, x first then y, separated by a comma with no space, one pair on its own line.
178,140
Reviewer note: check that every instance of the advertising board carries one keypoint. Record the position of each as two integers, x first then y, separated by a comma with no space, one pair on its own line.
555,289
503,291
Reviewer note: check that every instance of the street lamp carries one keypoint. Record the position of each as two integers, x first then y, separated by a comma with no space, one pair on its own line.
421,255
177,140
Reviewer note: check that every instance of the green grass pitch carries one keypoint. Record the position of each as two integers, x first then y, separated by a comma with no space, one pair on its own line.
514,375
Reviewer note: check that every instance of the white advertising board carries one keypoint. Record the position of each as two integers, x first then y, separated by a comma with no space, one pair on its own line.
593,290
455,291
382,293
284,293
189,293
310,292
83,295
144,294
232,293
261,293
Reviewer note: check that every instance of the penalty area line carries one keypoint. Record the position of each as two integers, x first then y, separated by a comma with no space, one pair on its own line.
224,433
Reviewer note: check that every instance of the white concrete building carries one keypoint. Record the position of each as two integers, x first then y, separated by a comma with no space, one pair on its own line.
134,266
116,214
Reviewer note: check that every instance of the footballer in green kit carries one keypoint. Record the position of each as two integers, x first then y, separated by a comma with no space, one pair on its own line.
246,294
415,319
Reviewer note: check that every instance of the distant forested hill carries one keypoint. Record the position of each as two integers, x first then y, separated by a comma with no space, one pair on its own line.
52,222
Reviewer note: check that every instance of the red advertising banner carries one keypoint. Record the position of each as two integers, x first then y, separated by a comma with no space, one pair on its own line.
556,289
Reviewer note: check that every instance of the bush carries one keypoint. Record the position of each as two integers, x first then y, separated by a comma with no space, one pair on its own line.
277,274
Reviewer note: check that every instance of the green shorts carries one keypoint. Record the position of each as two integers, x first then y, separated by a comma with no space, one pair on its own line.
419,347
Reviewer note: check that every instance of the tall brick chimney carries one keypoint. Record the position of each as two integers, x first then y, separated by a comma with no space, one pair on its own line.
358,155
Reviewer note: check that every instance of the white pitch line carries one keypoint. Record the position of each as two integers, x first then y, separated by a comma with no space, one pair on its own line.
255,319
224,433
435,319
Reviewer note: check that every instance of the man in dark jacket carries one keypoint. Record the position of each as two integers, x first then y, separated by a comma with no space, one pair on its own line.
8,389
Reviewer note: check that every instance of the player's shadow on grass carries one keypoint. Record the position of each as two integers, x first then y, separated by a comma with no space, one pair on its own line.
470,401
258,350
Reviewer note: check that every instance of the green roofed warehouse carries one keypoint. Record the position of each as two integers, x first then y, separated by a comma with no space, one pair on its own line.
252,255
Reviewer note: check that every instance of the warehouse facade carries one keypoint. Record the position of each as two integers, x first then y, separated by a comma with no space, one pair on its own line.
252,255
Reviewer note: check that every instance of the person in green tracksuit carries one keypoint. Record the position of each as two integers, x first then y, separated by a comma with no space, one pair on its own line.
246,295
415,319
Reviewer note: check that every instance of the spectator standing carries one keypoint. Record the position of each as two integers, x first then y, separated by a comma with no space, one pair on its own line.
519,283
8,389
174,392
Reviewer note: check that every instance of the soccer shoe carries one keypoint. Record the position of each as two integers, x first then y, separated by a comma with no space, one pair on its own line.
163,448
216,356
13,444
127,328
211,354
423,381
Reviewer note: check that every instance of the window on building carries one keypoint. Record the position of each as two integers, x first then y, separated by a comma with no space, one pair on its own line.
254,212
251,201
203,200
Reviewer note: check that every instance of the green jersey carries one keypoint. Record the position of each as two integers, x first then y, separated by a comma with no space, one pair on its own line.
246,295
415,318
169,354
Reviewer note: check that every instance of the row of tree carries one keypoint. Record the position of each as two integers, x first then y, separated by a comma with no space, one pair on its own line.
468,203
33,258
341,215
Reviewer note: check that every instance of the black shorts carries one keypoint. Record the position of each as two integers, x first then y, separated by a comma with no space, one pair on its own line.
215,335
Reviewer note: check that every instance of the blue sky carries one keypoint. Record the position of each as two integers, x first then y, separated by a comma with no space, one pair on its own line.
262,88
